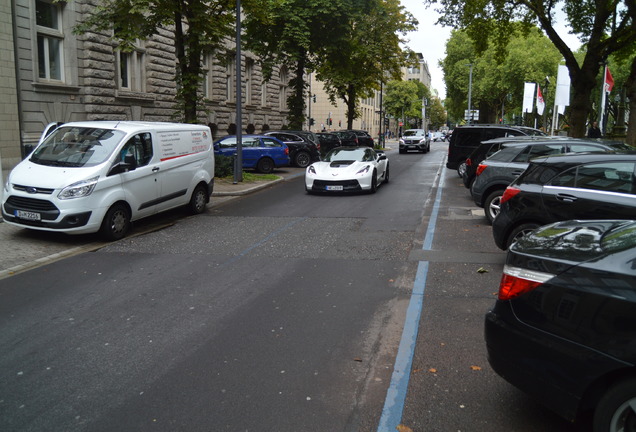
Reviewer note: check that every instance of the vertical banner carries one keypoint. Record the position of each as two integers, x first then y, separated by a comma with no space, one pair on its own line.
528,97
540,101
562,97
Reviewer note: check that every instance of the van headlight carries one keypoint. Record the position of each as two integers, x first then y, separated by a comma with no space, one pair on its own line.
78,190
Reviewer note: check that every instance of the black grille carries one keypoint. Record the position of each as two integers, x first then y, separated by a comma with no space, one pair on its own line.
31,204
347,185
33,189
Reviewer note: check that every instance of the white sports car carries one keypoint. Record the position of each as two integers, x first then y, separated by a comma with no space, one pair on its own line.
348,169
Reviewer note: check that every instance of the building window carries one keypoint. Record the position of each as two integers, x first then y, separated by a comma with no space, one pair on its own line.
229,79
48,17
264,93
205,84
131,69
283,89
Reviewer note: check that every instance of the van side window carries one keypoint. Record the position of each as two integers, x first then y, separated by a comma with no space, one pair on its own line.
140,146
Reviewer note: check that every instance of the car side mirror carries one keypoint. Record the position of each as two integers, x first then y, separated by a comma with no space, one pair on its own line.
382,157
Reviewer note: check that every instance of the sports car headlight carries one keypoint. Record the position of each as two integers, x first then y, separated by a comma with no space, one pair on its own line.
78,190
311,169
364,170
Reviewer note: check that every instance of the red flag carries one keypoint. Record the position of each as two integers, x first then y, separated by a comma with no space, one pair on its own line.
540,101
609,80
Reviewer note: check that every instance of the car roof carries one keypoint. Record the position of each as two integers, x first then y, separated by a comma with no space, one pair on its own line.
581,158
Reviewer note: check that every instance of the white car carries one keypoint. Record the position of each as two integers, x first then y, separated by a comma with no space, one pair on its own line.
348,169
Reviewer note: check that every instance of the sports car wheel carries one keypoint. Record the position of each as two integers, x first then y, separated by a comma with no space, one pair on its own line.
374,182
302,159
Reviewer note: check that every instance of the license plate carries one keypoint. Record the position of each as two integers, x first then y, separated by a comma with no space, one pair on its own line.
28,215
334,188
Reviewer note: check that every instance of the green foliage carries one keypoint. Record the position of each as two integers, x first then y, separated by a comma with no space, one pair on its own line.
401,99
604,26
436,113
498,73
223,166
199,26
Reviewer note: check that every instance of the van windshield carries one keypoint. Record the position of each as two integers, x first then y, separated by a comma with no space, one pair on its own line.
77,147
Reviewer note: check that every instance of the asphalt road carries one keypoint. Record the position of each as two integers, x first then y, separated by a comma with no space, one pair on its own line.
278,311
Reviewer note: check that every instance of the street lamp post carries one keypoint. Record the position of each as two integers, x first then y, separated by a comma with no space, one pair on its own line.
238,169
470,93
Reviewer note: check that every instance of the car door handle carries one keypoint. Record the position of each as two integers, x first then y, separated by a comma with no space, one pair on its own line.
566,197
155,169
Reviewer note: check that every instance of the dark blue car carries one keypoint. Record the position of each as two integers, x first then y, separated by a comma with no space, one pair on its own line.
260,152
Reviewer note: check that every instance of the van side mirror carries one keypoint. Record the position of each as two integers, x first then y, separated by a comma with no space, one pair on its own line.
129,164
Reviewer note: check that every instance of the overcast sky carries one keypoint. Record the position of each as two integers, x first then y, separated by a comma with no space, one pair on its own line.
430,40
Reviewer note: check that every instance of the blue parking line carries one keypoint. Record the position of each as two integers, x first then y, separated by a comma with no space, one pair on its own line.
396,394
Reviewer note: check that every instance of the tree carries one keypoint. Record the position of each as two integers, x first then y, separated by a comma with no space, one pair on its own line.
436,113
402,101
366,53
498,73
291,33
605,26
199,26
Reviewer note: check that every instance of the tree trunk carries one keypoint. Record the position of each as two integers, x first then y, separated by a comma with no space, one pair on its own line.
351,105
296,101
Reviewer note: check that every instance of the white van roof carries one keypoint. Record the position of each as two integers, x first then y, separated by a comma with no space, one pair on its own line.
132,126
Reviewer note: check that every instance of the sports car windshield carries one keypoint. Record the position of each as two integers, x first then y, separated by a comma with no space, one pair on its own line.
77,147
357,154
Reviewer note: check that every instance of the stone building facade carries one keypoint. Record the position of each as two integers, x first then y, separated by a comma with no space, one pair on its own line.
66,77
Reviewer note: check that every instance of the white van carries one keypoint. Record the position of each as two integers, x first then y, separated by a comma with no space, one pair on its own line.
87,177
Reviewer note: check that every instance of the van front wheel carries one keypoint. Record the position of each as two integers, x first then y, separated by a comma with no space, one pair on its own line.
199,200
116,223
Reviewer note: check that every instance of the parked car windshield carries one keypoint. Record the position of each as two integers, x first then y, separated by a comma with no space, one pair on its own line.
77,147
341,154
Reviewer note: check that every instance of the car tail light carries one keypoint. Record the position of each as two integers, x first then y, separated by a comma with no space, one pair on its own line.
480,169
510,192
469,162
287,150
356,140
516,281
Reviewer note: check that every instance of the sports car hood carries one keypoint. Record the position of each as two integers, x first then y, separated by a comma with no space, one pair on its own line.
578,241
339,168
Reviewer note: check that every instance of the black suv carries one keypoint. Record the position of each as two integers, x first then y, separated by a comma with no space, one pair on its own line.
327,141
303,146
465,138
497,172
562,187
362,137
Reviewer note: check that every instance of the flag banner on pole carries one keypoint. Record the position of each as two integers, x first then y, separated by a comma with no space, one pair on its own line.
609,80
528,97
562,96
540,101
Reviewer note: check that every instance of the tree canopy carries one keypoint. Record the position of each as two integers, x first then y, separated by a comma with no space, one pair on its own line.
604,26
199,26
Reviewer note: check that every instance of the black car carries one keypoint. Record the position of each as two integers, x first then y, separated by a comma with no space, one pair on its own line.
562,187
327,141
488,148
347,137
364,139
563,328
494,174
303,146
464,139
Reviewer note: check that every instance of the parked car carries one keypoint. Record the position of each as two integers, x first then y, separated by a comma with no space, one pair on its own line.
303,146
348,169
327,141
562,187
488,148
464,139
260,152
87,177
415,139
563,326
364,139
494,174
347,137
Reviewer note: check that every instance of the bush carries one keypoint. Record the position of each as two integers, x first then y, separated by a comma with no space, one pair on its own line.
223,166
